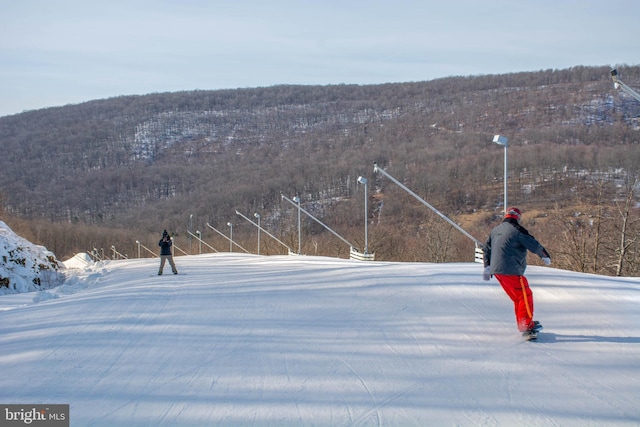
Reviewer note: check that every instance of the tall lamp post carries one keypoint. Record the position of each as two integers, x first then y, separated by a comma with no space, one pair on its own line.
230,237
501,140
257,215
297,200
363,180
190,228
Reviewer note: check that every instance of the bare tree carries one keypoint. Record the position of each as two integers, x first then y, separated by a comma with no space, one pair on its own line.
625,226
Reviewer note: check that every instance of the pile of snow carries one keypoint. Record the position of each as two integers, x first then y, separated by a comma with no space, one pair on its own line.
244,340
81,260
25,267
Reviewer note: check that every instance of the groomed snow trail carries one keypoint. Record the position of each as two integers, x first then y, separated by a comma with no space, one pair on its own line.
302,341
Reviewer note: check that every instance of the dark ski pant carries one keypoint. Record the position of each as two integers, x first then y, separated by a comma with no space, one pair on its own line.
163,259
517,287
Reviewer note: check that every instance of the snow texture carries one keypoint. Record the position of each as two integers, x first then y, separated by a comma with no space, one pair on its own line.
25,267
245,340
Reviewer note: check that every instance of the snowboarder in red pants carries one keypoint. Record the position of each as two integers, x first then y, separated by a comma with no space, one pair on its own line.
505,257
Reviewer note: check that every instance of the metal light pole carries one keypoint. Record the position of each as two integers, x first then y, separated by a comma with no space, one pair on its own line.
230,236
138,242
257,215
363,180
297,200
501,140
190,228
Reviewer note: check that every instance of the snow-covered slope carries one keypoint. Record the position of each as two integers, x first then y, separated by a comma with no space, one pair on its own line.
291,341
26,267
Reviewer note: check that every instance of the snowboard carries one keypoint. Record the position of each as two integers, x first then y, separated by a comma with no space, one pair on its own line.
532,335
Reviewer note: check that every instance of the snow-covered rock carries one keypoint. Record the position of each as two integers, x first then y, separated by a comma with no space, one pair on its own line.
25,267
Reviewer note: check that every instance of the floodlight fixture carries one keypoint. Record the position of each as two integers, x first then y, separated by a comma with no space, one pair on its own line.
500,140
614,77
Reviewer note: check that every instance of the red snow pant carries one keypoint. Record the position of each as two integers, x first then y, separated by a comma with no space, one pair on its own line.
517,287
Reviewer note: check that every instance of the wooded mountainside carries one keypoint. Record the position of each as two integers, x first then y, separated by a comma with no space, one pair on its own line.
110,172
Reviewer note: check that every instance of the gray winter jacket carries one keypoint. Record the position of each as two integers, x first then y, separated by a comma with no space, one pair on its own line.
506,248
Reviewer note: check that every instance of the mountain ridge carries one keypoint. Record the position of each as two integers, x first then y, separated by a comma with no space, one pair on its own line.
140,162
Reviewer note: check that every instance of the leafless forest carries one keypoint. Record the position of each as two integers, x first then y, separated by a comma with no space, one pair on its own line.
111,173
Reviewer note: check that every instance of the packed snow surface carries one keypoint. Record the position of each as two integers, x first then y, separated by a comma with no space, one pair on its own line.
238,339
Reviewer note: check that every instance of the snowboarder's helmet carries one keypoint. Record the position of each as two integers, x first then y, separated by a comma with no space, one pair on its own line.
514,213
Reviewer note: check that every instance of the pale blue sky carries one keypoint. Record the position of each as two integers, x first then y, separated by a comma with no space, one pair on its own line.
69,51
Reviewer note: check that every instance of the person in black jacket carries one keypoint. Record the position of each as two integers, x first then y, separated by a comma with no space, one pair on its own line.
505,257
165,253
